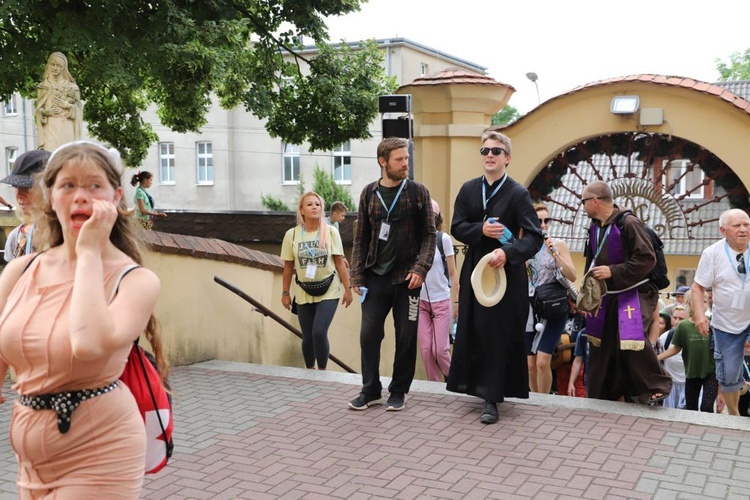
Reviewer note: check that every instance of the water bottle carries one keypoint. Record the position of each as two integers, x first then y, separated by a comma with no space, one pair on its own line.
453,331
506,237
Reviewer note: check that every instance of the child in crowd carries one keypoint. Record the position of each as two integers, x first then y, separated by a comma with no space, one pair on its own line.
338,213
698,357
577,382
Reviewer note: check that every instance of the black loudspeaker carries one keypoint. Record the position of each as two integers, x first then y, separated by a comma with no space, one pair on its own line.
398,128
397,103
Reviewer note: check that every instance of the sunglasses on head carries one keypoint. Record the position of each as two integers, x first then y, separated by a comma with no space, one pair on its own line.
495,151
741,264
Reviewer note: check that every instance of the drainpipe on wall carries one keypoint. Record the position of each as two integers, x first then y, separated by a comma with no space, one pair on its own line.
387,44
25,129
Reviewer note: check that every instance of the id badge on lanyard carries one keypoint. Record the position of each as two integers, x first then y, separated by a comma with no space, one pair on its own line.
385,230
385,225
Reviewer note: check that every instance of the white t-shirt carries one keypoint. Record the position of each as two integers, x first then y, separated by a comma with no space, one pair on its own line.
436,285
716,269
675,366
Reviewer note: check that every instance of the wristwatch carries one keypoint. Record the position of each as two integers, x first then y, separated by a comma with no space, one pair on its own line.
285,294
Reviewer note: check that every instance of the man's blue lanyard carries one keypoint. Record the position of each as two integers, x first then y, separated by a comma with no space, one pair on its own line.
305,243
732,263
485,200
601,243
28,239
393,204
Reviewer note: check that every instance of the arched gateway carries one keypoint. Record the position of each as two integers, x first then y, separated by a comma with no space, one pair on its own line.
679,160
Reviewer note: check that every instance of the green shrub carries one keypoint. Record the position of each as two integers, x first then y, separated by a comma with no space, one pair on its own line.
325,185
273,204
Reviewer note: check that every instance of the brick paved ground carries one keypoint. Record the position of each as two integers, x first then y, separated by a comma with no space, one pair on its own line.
245,431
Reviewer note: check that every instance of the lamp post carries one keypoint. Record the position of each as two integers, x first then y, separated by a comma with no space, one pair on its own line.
534,77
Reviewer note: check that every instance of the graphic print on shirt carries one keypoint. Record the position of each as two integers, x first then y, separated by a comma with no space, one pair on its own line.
308,253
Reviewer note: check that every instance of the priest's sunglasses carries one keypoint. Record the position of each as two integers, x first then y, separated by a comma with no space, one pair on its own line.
494,151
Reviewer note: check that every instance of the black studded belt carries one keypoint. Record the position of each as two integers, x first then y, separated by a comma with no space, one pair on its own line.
64,403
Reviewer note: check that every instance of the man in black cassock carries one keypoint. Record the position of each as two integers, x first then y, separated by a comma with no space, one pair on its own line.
489,354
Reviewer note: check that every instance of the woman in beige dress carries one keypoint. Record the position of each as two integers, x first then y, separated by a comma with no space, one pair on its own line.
66,340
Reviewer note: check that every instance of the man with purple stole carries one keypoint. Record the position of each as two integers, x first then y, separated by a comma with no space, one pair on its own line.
622,365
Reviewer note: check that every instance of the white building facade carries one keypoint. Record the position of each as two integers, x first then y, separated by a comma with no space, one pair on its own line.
233,160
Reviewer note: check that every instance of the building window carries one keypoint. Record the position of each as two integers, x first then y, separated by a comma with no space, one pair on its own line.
291,163
205,163
166,163
11,154
10,107
424,69
342,163
682,181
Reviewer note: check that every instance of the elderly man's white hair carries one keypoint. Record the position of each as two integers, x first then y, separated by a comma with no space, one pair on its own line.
724,217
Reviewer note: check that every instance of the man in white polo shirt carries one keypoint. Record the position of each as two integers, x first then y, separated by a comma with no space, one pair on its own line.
724,268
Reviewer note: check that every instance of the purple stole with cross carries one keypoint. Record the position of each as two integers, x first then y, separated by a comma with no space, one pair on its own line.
629,318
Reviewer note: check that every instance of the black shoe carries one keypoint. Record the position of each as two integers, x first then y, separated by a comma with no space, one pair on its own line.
396,401
489,413
363,402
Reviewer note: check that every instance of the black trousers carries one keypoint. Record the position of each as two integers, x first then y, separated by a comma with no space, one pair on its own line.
382,298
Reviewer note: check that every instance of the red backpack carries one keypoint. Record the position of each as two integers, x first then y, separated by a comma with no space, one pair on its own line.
144,381
154,402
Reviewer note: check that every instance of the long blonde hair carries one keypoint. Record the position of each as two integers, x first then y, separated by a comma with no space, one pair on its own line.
124,233
323,227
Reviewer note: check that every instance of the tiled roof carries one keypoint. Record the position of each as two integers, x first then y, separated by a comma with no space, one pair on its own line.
739,87
722,90
237,227
679,240
210,248
455,75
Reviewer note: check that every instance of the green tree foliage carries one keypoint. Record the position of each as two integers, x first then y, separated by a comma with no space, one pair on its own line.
273,204
507,115
738,67
129,54
325,185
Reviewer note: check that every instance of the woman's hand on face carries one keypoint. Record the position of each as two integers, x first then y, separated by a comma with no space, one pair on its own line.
95,231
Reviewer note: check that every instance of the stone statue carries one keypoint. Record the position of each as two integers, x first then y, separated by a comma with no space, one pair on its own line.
58,105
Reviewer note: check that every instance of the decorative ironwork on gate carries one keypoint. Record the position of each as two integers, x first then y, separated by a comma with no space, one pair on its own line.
640,168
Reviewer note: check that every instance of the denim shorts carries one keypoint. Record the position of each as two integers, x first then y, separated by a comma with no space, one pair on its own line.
550,337
729,353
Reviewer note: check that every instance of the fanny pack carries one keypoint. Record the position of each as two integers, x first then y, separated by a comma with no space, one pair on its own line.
315,288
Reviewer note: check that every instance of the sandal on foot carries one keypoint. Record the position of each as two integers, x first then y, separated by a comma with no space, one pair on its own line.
657,397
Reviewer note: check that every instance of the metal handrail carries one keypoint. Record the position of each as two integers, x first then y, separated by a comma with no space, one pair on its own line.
269,313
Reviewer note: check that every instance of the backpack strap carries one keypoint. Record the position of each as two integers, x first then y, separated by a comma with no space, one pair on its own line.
119,278
441,249
440,244
31,260
619,221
